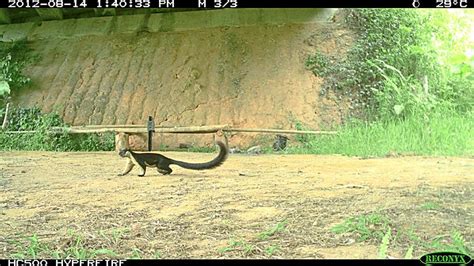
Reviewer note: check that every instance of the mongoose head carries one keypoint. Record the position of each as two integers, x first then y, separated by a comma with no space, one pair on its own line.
124,152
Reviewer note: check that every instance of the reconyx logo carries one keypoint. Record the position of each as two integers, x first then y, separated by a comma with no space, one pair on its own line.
445,258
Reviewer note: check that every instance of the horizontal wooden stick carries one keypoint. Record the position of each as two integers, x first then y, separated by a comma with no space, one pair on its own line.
176,130
80,130
282,131
20,132
144,126
142,129
111,126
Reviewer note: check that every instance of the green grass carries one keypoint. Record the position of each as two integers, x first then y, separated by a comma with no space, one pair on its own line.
430,206
271,250
136,253
76,247
34,248
264,243
454,242
200,149
279,227
233,245
367,226
384,245
377,227
440,135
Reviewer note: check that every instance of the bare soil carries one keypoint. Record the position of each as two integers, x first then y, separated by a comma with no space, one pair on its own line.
253,77
204,214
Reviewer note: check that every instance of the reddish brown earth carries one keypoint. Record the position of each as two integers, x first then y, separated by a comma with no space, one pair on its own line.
251,76
60,197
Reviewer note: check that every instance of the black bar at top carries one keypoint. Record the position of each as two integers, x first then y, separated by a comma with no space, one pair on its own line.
210,4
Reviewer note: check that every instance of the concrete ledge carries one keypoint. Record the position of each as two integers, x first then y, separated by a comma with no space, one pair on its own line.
54,29
163,22
129,24
183,21
252,17
93,26
180,21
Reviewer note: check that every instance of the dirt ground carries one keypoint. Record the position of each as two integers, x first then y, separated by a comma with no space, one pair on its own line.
76,200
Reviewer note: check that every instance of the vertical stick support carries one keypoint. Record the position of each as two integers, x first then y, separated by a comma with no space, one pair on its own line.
150,125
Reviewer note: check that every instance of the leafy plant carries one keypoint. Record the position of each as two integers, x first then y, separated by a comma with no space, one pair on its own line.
41,138
271,250
319,64
430,206
136,253
384,245
13,59
232,245
158,255
4,88
404,62
455,243
369,226
409,253
261,244
279,227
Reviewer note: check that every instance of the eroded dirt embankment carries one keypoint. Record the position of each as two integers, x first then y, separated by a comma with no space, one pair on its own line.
250,76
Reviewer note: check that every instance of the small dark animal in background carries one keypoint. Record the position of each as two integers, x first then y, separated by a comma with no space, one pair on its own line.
280,142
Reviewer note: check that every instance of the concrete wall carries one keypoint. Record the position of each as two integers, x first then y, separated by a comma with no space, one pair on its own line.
160,22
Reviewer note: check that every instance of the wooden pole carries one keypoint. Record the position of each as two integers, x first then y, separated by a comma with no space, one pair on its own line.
179,130
75,130
22,132
150,127
282,131
5,118
142,129
110,126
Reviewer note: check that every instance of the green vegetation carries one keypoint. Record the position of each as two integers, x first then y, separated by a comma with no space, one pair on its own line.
371,226
442,134
410,84
33,249
454,242
384,245
236,245
375,227
430,206
271,250
265,243
13,58
279,227
31,119
78,247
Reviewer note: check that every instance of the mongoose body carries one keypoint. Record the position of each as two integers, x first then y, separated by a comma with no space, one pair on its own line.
162,163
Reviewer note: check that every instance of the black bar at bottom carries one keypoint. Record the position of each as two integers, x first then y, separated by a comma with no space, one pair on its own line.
141,262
